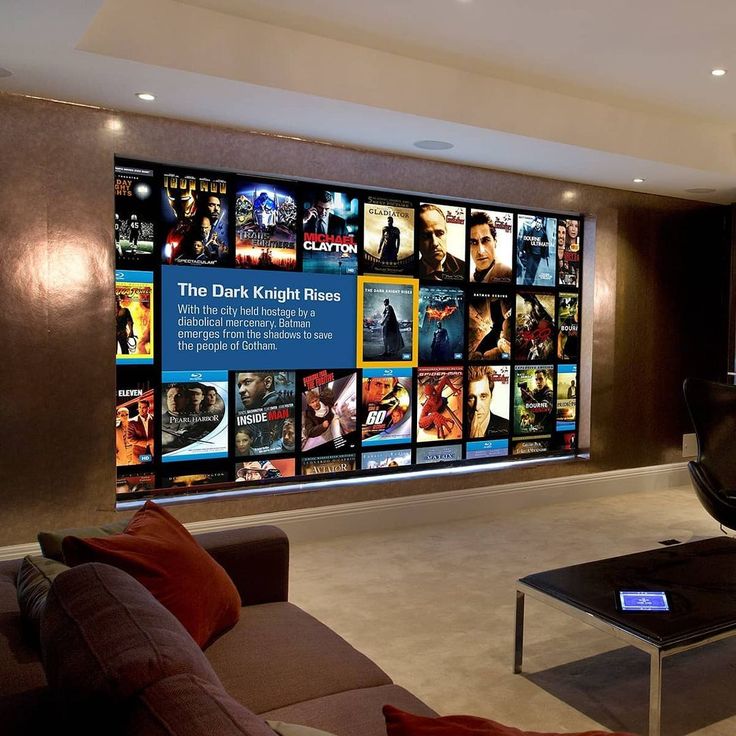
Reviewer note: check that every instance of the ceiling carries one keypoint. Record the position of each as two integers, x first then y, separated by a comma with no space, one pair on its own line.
582,90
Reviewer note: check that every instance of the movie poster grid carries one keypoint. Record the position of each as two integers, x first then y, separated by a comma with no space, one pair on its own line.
504,409
265,224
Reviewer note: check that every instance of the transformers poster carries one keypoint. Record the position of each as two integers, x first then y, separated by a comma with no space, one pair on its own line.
490,244
388,236
328,407
387,320
258,470
567,391
330,231
441,324
568,345
264,413
134,317
328,464
135,436
535,250
385,459
489,324
265,225
136,212
439,454
193,415
441,242
439,404
488,401
195,218
535,326
385,416
533,399
568,252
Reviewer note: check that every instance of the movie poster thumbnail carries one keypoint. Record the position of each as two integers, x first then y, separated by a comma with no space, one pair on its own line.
439,454
388,236
530,446
568,252
264,413
487,401
568,345
441,324
490,312
195,217
441,242
134,317
479,449
382,459
329,401
329,464
330,231
535,250
134,483
439,404
567,391
193,415
491,246
135,442
136,212
387,311
265,225
257,470
188,482
535,326
385,415
566,441
533,399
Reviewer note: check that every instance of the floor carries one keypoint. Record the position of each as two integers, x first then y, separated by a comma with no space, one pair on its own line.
434,606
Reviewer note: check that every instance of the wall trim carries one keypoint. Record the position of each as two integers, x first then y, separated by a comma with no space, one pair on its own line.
322,522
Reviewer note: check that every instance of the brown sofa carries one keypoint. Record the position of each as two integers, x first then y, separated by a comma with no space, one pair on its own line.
113,653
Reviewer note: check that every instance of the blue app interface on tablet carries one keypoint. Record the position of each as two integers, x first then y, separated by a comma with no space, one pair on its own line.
637,600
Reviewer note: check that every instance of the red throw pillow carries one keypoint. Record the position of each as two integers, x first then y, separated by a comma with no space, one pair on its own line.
163,556
399,723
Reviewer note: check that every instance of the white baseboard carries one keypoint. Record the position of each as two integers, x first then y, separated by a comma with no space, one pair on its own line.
432,508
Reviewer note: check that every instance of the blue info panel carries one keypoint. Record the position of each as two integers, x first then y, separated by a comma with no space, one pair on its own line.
218,319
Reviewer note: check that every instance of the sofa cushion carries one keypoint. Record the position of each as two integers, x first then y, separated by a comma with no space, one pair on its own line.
399,723
351,713
278,642
296,729
50,542
104,637
161,554
184,705
33,584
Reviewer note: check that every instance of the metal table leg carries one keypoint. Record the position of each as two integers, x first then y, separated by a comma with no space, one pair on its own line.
519,632
655,693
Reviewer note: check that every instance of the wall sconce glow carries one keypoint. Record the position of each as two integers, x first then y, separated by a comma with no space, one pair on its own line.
569,195
639,180
114,124
146,96
718,72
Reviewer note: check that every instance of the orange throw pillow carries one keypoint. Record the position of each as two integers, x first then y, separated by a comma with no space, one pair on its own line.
399,723
163,556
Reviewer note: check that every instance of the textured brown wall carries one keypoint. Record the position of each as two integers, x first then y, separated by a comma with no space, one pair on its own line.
651,318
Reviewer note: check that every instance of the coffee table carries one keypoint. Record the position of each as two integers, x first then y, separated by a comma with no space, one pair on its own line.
698,577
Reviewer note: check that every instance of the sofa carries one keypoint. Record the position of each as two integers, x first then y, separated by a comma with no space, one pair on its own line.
116,661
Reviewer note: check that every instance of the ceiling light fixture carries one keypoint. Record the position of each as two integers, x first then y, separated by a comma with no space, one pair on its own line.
718,72
433,145
639,180
147,96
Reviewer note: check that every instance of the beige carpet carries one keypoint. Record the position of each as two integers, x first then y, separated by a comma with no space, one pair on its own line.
433,605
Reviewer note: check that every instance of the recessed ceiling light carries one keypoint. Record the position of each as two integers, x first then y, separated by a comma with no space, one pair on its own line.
434,145
639,180
147,96
5,72
718,72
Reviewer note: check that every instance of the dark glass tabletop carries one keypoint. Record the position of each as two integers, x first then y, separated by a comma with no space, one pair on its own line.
698,577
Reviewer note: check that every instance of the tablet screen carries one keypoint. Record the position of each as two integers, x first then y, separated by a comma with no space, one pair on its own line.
643,600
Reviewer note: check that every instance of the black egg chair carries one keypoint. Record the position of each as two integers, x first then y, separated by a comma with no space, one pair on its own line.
712,408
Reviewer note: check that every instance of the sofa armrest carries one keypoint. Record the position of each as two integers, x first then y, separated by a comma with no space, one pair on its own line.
256,558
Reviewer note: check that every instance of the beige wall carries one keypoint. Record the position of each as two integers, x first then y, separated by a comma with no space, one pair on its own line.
651,318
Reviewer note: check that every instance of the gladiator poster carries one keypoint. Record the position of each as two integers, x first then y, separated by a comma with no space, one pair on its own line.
134,317
330,230
195,218
388,235
136,213
441,324
439,404
265,225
